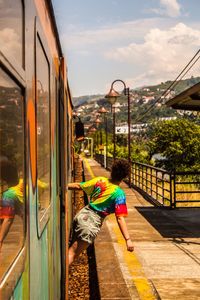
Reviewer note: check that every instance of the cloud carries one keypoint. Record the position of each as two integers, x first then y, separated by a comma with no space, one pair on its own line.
162,54
10,42
170,8
76,39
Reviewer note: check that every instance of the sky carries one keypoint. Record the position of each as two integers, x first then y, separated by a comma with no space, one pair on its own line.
142,42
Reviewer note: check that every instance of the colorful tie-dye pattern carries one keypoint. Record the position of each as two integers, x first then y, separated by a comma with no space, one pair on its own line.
12,200
105,197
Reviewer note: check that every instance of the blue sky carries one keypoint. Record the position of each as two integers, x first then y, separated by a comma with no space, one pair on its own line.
141,42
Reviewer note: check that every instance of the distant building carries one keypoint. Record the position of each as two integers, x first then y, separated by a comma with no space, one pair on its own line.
136,128
167,118
146,99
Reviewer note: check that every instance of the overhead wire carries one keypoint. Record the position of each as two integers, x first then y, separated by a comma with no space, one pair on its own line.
173,84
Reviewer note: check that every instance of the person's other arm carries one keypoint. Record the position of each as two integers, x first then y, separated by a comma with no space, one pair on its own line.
74,186
124,230
4,229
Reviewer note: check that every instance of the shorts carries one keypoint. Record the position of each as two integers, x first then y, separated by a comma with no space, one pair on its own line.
10,207
86,225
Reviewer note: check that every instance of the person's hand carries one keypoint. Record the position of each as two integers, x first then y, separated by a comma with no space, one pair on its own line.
129,245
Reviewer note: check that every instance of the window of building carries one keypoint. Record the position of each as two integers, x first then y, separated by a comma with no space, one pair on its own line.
12,195
43,130
12,29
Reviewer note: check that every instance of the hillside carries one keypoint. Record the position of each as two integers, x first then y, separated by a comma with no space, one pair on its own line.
157,89
146,104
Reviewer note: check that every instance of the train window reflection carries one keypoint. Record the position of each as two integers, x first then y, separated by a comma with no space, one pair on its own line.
11,29
43,130
12,196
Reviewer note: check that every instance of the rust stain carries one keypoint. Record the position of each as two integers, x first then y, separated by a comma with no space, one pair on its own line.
53,125
32,141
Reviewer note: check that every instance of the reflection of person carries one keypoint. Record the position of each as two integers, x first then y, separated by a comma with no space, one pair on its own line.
11,202
105,197
12,199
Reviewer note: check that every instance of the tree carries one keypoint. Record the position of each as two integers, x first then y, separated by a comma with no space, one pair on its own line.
178,141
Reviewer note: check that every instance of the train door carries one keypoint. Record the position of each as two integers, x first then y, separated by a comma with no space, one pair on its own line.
13,200
41,250
61,179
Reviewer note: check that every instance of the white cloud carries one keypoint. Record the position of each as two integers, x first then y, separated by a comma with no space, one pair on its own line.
170,8
9,40
162,54
75,38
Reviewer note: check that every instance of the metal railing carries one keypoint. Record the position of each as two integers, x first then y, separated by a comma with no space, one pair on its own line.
162,188
100,159
186,189
154,183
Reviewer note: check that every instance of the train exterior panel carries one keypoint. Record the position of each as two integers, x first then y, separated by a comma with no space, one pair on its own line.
36,119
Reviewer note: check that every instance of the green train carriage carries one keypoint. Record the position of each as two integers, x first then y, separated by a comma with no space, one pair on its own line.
36,159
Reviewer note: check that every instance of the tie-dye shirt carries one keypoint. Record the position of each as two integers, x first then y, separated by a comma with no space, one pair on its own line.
11,202
105,196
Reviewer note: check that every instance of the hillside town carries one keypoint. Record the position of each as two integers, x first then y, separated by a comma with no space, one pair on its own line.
143,97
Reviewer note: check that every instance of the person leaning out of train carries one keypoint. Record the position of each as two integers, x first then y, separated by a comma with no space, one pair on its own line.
105,197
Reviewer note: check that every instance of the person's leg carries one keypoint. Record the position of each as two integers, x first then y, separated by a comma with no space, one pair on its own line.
75,250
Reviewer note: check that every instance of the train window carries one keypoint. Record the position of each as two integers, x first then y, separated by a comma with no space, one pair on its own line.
43,130
12,196
12,29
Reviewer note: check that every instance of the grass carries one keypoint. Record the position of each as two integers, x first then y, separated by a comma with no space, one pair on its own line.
157,184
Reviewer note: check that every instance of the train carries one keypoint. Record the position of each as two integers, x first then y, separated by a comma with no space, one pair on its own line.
36,153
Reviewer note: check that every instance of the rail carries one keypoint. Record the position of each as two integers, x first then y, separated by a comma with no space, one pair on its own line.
162,188
154,183
186,189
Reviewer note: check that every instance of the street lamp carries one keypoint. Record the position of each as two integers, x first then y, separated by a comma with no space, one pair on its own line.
98,122
103,111
92,129
112,96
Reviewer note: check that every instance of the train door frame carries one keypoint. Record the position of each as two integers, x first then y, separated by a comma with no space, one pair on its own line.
40,38
61,109
18,75
39,252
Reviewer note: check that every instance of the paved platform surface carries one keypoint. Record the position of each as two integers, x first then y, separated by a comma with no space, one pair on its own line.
166,261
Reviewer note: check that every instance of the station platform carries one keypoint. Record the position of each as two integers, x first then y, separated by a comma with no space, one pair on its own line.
166,261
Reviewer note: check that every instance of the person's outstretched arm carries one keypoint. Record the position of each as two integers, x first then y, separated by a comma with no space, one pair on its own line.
124,230
74,186
4,229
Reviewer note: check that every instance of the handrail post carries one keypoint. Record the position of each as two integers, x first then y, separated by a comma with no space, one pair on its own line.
129,176
174,188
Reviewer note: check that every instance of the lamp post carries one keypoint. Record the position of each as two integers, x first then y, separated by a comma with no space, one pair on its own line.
112,96
103,111
92,130
98,122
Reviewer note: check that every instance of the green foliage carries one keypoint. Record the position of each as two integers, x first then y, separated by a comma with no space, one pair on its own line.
139,152
178,141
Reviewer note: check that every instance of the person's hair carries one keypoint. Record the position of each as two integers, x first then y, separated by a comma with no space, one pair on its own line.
9,173
120,169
